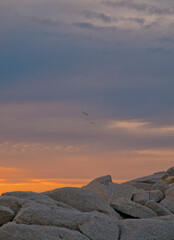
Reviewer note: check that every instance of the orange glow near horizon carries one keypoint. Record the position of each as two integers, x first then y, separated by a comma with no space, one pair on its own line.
41,185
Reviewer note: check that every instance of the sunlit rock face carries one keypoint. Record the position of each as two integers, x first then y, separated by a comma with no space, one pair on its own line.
101,210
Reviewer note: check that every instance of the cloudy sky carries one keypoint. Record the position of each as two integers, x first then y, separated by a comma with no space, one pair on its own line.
113,59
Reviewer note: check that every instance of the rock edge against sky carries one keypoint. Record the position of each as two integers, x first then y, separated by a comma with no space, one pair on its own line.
141,209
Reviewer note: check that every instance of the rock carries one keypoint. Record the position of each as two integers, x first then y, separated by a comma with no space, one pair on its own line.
161,185
157,208
140,185
122,191
105,180
132,209
168,201
101,186
37,197
151,179
110,191
141,197
82,199
100,227
94,225
36,232
170,171
156,195
147,182
147,229
11,202
39,214
6,215
169,180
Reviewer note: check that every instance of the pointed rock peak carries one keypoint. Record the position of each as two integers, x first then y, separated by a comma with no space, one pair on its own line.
106,180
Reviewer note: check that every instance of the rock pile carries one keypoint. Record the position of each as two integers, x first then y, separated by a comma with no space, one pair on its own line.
141,209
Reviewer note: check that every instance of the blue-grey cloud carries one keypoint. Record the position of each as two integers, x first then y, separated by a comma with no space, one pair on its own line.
142,7
98,15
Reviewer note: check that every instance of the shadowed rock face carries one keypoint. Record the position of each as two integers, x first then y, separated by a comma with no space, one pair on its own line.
102,210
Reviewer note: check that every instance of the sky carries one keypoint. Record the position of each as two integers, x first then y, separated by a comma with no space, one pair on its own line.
110,58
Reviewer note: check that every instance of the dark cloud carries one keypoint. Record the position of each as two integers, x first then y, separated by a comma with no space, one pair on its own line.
98,15
90,26
142,7
111,19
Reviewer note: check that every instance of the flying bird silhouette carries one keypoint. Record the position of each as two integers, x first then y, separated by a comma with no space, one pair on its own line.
85,113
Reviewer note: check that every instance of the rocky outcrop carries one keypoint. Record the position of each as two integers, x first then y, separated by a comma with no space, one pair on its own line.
12,231
147,229
168,201
81,199
132,209
141,209
110,191
157,208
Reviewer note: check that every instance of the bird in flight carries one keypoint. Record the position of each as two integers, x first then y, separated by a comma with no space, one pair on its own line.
85,113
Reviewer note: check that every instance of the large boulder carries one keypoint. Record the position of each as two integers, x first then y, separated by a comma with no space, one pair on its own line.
147,229
101,186
151,179
168,201
12,202
141,197
32,196
6,215
161,185
132,209
82,199
95,225
100,227
39,214
156,195
157,208
13,231
110,191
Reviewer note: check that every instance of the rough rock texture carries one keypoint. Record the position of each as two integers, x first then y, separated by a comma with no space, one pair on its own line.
99,227
110,191
147,229
37,197
141,197
161,185
132,209
81,199
12,231
95,225
6,215
11,202
157,208
141,209
156,195
168,201
101,186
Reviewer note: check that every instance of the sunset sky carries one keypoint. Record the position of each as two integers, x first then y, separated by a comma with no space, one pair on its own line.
113,59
